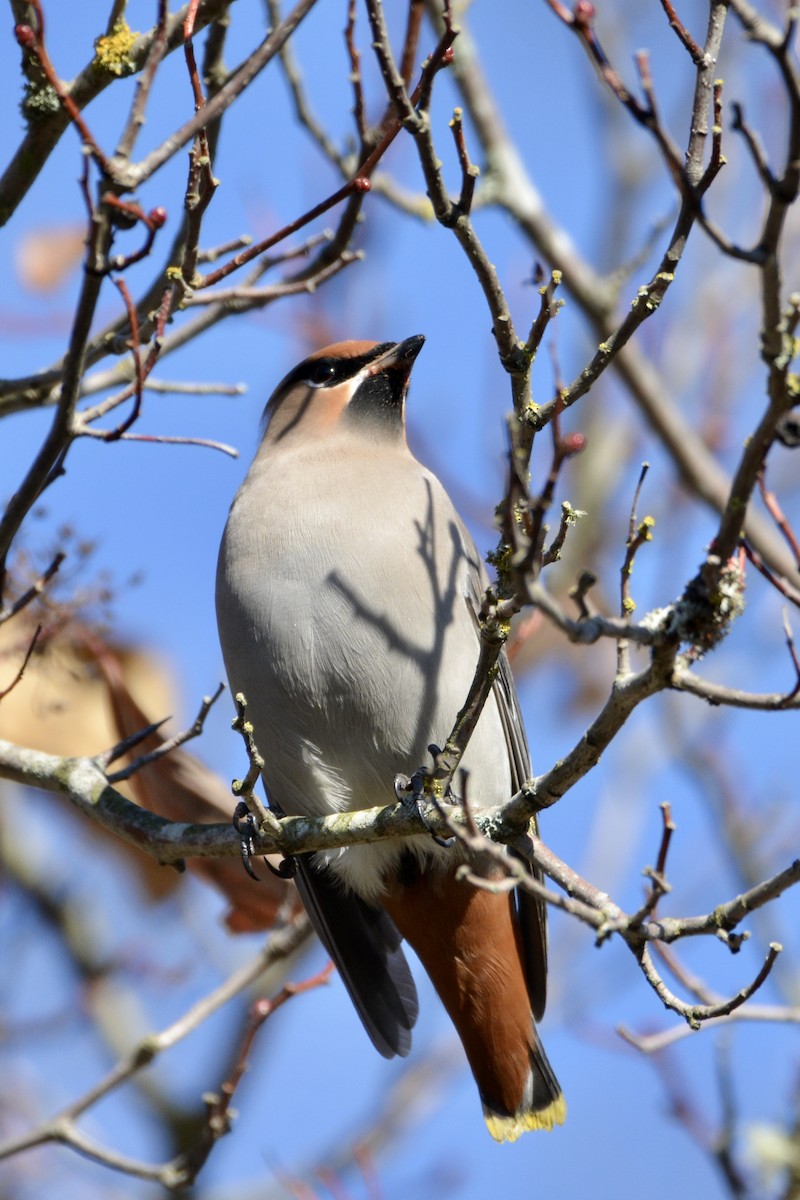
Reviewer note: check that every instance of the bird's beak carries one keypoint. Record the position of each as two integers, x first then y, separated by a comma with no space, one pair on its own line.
400,357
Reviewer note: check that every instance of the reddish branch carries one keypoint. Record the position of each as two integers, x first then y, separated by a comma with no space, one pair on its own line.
358,184
33,42
129,212
778,516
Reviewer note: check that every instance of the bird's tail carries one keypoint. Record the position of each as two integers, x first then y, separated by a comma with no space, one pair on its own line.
542,1105
467,941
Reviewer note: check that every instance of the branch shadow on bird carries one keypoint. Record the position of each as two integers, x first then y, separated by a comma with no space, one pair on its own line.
428,659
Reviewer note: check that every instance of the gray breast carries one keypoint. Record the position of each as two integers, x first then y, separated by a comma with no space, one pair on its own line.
344,621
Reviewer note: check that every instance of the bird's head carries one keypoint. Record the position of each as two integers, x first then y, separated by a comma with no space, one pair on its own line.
355,386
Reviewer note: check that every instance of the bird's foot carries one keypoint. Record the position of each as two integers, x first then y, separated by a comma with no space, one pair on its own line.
412,795
245,825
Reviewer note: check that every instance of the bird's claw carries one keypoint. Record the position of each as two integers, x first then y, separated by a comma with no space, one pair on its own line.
411,794
286,868
245,825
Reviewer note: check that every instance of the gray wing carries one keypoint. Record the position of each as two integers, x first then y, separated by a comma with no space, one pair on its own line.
364,943
531,912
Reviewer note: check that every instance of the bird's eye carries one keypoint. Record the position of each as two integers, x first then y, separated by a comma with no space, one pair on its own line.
321,373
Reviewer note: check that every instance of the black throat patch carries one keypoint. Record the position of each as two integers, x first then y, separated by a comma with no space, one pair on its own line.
379,399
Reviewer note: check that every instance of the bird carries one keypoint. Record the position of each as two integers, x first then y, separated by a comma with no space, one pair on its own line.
347,597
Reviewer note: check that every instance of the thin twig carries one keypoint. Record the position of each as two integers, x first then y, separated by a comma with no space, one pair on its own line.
193,731
33,42
18,677
244,789
638,534
695,51
124,426
157,50
695,1014
36,589
62,1128
778,516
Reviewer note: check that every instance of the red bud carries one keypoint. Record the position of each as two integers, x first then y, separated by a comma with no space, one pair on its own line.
157,217
25,36
362,184
584,13
573,443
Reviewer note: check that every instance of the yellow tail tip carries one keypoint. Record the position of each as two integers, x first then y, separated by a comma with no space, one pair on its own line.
509,1128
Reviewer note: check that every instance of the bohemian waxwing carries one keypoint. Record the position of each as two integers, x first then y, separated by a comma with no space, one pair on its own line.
347,593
